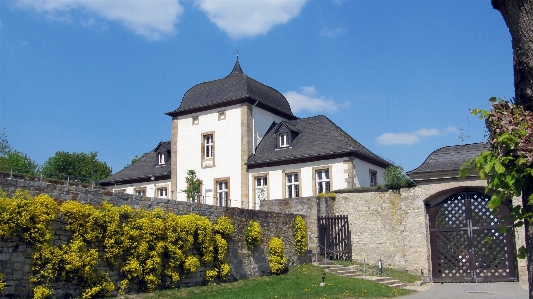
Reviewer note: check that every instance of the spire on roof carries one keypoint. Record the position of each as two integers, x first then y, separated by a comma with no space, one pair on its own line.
237,67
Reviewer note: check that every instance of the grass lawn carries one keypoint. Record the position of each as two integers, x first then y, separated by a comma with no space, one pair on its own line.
300,282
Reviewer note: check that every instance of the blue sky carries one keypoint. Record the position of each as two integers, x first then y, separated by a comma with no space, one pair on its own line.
399,76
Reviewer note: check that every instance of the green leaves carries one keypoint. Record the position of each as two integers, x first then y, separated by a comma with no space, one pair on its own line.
78,166
494,202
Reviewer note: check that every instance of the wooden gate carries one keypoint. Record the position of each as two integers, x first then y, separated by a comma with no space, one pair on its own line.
334,237
465,243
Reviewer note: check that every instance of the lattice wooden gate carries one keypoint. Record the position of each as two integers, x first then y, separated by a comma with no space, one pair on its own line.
465,243
334,237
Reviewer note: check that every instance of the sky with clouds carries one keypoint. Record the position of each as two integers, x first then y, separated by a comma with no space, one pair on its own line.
398,76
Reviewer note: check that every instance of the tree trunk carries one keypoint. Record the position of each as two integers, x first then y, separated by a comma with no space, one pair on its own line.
518,15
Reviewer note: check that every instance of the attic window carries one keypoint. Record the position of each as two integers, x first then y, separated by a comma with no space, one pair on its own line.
221,115
161,158
283,139
195,120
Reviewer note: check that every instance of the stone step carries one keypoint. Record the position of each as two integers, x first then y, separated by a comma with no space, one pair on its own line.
353,271
398,285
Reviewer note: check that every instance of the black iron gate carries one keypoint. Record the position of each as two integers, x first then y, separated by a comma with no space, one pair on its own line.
465,243
334,237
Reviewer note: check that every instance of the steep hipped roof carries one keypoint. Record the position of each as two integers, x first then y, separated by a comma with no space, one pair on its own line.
234,88
316,138
447,161
142,170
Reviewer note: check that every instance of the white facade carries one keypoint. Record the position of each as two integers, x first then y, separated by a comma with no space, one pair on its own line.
228,128
156,189
278,186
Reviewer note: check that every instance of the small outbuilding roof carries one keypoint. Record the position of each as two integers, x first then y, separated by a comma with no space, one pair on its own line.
447,161
142,170
234,88
315,138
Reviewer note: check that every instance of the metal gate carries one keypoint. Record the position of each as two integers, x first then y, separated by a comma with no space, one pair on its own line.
334,237
465,243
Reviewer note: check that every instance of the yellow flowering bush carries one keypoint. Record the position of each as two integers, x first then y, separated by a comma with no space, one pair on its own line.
2,283
329,194
224,226
300,235
146,247
252,233
27,217
41,292
210,275
276,255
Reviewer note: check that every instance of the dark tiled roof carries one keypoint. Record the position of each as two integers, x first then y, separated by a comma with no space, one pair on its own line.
234,87
317,138
450,158
142,170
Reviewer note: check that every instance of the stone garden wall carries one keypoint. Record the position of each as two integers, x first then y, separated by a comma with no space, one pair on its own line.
15,257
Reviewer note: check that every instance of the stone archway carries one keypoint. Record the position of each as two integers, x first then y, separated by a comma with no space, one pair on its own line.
466,245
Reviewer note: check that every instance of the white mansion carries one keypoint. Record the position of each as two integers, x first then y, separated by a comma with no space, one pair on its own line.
245,145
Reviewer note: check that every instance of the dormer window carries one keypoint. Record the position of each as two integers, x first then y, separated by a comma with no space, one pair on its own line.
161,158
283,139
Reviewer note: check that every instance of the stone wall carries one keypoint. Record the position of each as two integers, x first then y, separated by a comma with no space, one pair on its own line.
312,207
388,225
15,257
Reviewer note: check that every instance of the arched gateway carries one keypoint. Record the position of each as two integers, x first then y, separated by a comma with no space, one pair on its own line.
466,245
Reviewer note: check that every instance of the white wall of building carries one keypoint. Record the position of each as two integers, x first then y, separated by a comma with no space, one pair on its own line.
362,173
262,121
227,149
150,188
338,177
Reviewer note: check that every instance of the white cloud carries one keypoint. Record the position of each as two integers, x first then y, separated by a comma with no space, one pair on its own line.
406,138
252,17
451,129
153,19
333,32
309,99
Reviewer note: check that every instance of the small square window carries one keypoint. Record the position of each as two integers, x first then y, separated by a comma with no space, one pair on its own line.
283,139
221,115
195,120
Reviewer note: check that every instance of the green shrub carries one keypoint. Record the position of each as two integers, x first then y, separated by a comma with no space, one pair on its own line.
395,178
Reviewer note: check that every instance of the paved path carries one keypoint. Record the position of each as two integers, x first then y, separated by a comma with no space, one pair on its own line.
499,290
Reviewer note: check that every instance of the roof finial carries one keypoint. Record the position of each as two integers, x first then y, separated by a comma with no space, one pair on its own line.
237,55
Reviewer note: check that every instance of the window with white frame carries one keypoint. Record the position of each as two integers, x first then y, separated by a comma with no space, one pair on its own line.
162,192
261,188
140,191
292,184
222,193
161,158
283,139
373,177
322,181
208,146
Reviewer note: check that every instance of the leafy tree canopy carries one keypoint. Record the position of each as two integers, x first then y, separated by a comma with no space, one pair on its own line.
13,160
395,178
77,166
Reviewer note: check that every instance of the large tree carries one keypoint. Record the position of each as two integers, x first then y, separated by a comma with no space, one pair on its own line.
81,167
14,161
518,15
